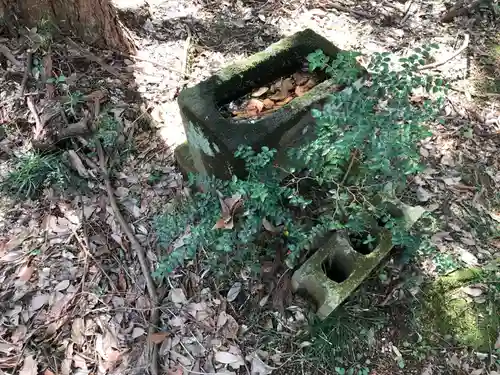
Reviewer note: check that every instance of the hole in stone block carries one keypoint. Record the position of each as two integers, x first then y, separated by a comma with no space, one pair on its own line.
364,242
336,268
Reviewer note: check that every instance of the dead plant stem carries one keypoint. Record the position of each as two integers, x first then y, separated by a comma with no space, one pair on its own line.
27,70
455,54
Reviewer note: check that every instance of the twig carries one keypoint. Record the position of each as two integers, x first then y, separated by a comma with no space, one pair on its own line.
6,52
155,314
186,54
87,252
38,122
353,157
457,52
407,12
27,71
89,55
342,8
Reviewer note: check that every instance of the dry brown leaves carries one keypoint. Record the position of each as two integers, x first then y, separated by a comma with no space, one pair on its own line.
457,190
265,99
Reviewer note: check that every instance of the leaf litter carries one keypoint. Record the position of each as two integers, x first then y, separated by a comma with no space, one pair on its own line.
267,99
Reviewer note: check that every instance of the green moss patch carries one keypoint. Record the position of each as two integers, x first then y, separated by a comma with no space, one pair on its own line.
448,311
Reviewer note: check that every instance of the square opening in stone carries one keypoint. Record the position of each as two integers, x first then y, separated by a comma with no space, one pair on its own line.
337,267
364,242
263,93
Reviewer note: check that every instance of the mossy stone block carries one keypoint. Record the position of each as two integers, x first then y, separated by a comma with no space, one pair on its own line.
213,138
333,272
448,310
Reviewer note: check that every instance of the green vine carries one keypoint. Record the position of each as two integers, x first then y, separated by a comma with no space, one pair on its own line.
365,149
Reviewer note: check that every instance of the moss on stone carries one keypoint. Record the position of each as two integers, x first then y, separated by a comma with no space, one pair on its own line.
448,310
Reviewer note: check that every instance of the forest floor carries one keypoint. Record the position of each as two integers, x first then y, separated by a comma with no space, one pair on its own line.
72,293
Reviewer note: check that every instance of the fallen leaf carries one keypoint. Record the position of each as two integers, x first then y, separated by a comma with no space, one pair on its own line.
12,256
137,332
423,195
259,92
234,291
6,348
77,331
38,301
301,90
300,78
230,329
424,152
473,292
268,103
79,361
497,343
19,334
30,366
448,160
25,272
468,241
158,337
113,356
222,319
177,296
254,105
467,257
228,358
62,285
285,101
258,367
48,372
77,164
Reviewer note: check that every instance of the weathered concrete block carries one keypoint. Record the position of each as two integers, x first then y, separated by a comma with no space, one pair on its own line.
213,139
333,272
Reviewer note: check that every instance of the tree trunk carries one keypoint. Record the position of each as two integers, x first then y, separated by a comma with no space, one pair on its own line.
93,21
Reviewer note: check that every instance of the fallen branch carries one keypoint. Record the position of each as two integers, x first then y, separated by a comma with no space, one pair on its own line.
27,71
78,129
155,314
38,123
6,52
457,52
186,54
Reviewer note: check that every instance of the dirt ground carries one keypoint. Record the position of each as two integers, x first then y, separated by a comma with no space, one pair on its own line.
73,295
